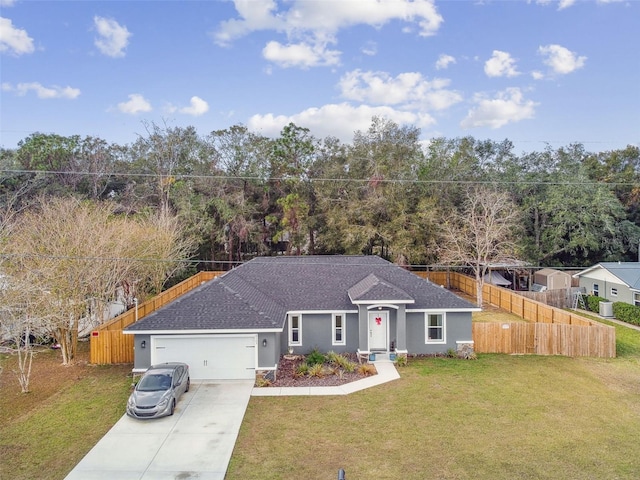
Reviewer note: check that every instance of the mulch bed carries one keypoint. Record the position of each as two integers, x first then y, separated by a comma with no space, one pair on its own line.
286,374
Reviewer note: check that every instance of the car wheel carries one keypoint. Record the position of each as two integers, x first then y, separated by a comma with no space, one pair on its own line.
173,407
188,385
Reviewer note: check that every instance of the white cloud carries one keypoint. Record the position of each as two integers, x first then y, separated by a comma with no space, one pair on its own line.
537,75
328,17
332,16
409,90
444,61
508,106
14,40
370,49
196,108
565,4
560,59
7,3
300,55
311,25
337,120
113,37
41,91
562,4
501,64
136,104
253,16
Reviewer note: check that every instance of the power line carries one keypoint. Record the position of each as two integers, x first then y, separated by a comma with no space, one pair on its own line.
319,180
283,259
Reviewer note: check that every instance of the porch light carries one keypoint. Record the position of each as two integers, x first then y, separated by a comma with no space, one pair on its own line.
264,342
143,344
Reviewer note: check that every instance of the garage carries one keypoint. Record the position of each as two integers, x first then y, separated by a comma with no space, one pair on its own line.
210,357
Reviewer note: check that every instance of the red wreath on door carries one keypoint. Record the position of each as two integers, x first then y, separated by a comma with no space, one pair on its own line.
378,321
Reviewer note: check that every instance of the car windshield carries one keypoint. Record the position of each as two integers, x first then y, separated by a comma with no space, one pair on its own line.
154,382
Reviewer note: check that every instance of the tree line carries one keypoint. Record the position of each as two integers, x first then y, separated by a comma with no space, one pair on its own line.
239,194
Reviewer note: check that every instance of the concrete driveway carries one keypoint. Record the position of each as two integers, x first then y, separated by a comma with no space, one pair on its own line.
196,442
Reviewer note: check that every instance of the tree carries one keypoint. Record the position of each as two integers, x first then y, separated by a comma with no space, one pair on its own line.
54,156
292,205
75,252
95,160
569,218
375,204
165,154
482,233
236,204
20,322
584,223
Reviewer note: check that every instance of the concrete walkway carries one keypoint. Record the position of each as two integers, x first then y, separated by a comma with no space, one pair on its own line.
386,373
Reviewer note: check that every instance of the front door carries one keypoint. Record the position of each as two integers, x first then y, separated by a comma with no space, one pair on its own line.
378,323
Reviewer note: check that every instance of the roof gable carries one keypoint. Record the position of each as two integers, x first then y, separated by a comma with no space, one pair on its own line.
372,289
627,273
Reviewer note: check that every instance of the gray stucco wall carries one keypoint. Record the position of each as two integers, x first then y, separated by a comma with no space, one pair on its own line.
142,356
268,355
317,332
624,293
458,327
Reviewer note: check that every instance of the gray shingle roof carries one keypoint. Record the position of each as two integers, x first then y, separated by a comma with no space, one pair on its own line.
628,272
259,293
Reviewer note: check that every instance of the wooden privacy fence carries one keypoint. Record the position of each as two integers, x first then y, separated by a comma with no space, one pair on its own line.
544,339
109,345
551,331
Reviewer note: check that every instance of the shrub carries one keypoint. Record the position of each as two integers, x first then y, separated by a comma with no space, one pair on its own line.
402,360
593,303
333,357
315,358
341,361
626,312
366,369
348,366
316,370
302,370
261,381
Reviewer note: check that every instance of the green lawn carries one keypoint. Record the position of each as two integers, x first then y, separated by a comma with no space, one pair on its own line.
498,417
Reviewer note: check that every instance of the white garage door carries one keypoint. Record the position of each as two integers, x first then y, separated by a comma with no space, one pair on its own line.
227,357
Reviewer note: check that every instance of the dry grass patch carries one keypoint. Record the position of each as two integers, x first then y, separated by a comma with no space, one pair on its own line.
45,433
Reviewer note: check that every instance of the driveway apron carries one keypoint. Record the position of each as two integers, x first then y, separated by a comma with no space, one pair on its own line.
196,442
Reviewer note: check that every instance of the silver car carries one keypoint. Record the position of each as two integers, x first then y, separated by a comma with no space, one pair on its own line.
158,391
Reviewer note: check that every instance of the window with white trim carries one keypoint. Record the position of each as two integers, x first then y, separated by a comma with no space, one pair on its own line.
435,328
339,329
295,330
596,290
636,299
614,292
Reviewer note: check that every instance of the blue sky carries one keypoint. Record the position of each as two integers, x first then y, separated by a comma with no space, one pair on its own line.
537,72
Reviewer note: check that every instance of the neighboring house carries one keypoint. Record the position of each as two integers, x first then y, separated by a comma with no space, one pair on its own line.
615,281
244,320
550,279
